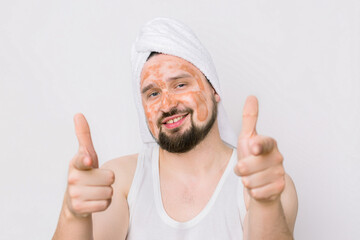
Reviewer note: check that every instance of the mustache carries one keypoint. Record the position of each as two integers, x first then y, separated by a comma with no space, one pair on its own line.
173,111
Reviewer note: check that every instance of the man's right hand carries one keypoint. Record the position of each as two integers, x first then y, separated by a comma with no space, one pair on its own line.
89,188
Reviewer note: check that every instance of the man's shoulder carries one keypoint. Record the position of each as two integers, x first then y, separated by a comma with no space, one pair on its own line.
121,162
124,169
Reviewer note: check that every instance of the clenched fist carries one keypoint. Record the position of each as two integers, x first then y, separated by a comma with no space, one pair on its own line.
260,164
89,188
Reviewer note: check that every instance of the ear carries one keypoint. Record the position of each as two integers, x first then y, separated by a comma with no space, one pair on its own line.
217,97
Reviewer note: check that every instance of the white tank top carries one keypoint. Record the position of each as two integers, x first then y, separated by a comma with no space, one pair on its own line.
221,218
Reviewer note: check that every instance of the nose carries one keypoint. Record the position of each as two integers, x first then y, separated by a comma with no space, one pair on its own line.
167,102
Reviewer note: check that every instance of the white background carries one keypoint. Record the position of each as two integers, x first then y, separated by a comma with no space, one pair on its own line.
300,58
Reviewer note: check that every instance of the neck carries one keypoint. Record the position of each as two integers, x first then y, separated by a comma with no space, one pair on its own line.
210,154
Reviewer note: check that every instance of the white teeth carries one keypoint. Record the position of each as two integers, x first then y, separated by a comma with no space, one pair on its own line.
174,120
177,119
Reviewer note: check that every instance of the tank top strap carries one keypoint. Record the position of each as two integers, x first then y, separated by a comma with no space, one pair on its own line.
138,176
241,200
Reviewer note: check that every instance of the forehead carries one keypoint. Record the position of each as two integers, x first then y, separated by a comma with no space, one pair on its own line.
163,63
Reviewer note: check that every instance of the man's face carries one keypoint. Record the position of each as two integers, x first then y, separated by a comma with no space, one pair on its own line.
179,103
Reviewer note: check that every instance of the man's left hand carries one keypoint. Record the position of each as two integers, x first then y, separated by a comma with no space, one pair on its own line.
260,164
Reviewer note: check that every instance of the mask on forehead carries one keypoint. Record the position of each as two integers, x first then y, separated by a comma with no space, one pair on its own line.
168,36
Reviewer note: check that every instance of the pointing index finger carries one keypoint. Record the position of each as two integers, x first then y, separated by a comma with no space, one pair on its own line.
82,131
250,116
262,145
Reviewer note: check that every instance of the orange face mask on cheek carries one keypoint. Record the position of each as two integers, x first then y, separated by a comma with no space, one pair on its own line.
194,98
150,113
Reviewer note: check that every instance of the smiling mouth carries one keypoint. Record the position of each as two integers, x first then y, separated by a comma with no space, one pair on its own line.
175,121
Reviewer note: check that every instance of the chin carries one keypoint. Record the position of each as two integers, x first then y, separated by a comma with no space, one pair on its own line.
186,140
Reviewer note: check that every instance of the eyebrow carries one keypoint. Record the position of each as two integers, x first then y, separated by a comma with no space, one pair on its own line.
182,75
145,89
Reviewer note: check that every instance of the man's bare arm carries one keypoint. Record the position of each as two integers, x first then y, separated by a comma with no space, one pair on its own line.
72,227
113,223
270,193
91,190
273,219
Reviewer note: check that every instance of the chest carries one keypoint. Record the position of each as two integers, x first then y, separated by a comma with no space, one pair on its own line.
185,199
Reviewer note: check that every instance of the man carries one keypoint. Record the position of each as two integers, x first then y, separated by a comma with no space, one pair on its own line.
191,184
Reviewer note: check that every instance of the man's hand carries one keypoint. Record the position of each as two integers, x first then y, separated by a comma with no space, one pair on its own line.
260,163
89,188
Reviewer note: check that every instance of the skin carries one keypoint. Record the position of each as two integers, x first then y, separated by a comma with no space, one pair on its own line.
95,203
270,195
167,82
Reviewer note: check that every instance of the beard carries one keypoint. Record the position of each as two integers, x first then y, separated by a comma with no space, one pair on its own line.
183,142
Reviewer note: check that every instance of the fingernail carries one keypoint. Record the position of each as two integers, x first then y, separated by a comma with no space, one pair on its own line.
87,161
241,167
256,149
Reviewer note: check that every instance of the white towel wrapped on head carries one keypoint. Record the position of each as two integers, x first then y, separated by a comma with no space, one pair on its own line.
169,36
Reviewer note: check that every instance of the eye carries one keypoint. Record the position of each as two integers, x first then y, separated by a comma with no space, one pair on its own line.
181,85
153,94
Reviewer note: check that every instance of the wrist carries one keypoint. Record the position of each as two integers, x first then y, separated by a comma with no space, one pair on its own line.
71,215
265,203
